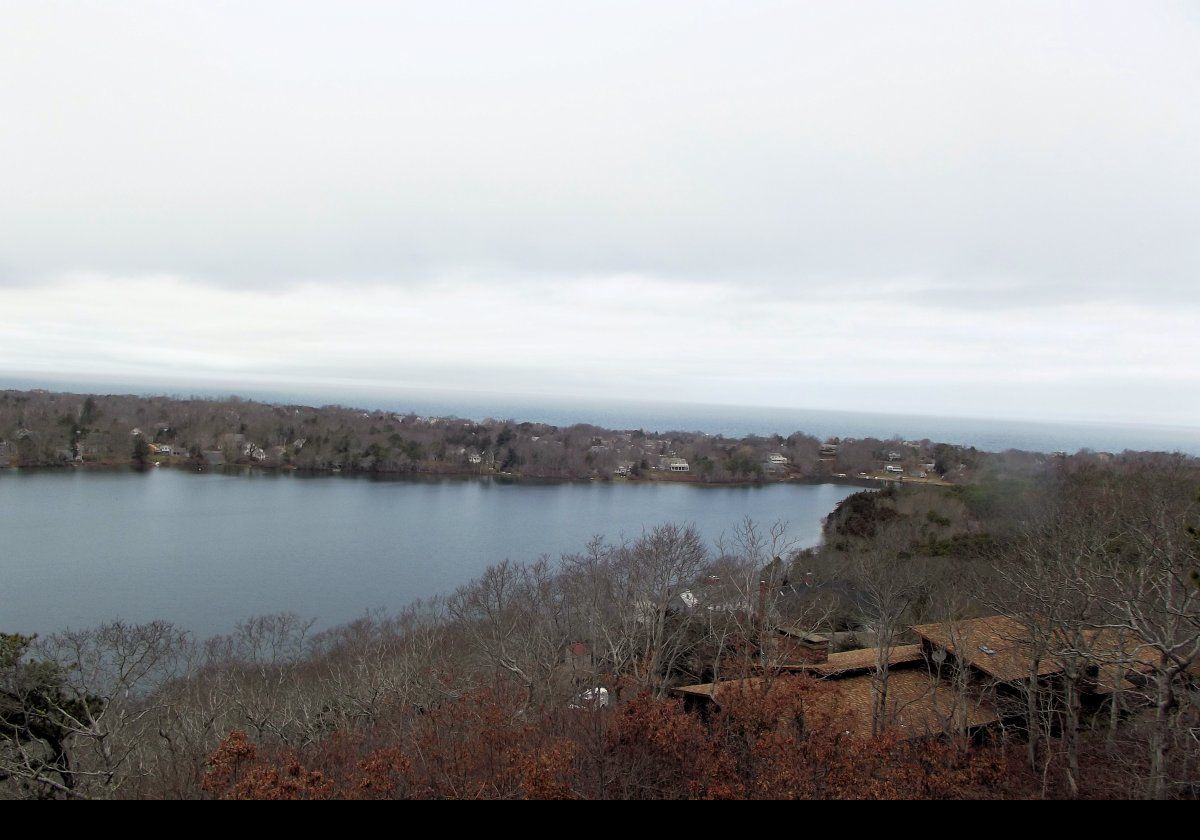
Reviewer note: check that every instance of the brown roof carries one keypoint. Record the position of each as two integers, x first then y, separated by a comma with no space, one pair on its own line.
856,661
1003,648
1118,655
997,645
918,704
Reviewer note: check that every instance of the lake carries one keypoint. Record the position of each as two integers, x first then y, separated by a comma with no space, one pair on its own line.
205,551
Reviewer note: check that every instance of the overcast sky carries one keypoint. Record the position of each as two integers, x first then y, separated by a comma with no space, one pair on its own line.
959,208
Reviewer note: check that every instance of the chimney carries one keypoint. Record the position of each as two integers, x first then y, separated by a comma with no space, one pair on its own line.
813,648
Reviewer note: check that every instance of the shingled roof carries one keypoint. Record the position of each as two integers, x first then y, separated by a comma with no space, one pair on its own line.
1004,649
918,704
997,645
851,662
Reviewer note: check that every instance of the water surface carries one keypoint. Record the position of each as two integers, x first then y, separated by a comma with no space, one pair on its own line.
80,547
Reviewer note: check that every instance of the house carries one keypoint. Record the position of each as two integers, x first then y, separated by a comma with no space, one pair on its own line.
678,465
828,450
892,468
775,463
624,468
474,458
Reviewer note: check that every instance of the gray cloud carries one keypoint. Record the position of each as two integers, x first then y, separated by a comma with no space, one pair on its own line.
957,161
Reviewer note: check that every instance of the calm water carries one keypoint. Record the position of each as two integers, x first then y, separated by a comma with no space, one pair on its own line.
205,551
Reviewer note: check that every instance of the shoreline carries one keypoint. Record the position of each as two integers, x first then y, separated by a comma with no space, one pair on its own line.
395,475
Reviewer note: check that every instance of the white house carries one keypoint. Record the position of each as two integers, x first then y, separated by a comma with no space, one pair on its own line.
678,465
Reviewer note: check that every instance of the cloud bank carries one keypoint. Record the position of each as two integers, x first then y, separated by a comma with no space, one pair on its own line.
932,207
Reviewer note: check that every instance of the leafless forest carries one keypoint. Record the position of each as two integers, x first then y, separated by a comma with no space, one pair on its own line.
45,429
1056,655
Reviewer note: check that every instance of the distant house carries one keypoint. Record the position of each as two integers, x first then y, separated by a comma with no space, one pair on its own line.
678,465
775,463
892,468
828,450
624,468
474,458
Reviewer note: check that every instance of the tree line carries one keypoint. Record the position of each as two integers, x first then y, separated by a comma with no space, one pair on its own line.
47,429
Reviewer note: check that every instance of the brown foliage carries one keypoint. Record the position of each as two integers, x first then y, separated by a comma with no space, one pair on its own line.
781,744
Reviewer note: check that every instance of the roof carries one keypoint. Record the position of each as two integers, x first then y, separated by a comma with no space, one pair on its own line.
918,704
856,661
999,646
1012,651
1117,655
